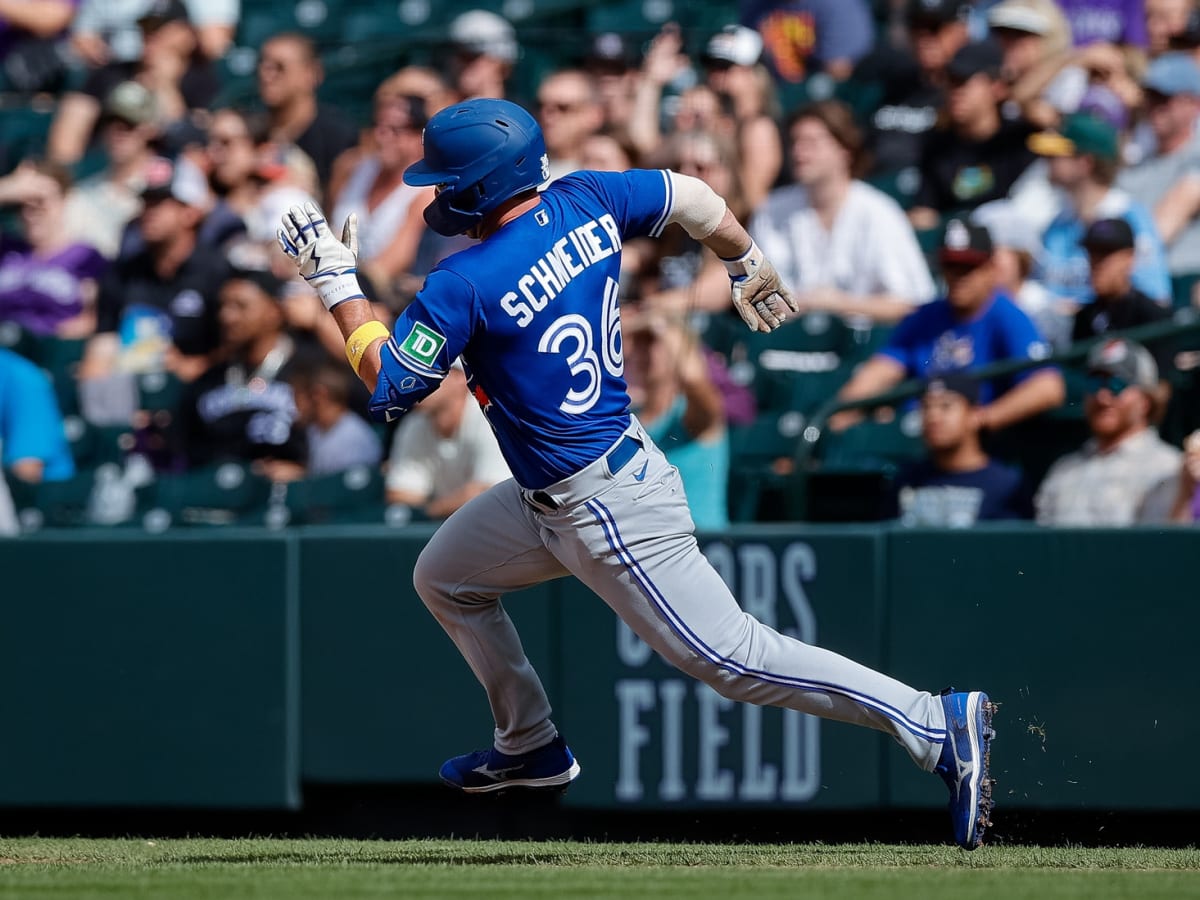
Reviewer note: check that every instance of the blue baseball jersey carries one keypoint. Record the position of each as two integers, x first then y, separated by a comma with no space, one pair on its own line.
931,339
532,312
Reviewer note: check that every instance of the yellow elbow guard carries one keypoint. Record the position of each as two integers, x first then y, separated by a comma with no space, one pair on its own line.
361,338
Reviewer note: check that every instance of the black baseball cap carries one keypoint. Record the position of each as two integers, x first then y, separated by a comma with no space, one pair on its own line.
610,51
982,57
936,12
1108,236
956,382
159,12
965,244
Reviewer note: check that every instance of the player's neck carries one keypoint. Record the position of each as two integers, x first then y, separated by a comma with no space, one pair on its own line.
505,213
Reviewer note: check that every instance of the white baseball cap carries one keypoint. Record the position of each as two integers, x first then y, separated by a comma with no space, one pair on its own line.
1015,15
735,44
480,31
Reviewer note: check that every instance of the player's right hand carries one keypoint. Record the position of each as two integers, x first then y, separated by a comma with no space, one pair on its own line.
328,264
759,295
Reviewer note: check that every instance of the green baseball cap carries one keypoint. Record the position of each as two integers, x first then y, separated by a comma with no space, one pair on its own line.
1079,135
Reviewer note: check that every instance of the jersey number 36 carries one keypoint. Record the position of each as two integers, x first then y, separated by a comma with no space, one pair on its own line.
576,331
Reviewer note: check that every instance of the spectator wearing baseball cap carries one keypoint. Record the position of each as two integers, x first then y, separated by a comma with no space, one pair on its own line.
157,306
1030,32
1116,303
1168,179
909,78
979,154
1084,159
972,325
1107,480
732,69
957,484
612,64
485,49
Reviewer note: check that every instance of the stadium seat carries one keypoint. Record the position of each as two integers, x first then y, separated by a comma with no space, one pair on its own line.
218,495
53,504
873,444
355,495
759,454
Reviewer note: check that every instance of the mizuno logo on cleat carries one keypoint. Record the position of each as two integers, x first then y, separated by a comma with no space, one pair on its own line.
497,774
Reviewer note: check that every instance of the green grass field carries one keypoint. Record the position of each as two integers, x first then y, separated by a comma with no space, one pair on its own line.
264,868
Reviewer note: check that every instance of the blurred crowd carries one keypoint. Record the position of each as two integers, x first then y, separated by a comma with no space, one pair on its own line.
945,186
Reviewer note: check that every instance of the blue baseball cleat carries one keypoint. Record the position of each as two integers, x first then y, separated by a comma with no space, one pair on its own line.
964,764
549,766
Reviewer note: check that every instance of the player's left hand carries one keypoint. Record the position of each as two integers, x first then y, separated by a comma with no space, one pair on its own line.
328,264
758,292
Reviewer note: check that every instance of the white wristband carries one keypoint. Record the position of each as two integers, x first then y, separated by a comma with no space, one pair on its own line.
339,289
746,264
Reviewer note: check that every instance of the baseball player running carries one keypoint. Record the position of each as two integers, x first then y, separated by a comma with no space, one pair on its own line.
532,311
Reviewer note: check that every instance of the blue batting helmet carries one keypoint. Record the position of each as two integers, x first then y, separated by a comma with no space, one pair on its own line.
479,153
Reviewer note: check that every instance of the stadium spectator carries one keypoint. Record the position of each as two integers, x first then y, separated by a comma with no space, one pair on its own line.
612,66
569,111
1177,500
158,307
980,153
183,82
1084,160
958,484
106,31
823,231
30,60
1116,304
1106,482
233,165
101,205
1168,180
485,50
337,438
681,409
806,37
1166,24
732,69
1121,22
47,280
445,454
389,212
33,446
1031,31
973,325
608,151
1017,246
289,73
910,83
664,66
242,408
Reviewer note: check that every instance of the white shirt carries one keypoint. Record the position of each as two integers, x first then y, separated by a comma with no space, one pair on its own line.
870,250
430,466
1089,488
376,227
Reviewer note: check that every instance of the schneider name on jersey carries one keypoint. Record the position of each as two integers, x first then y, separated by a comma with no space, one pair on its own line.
554,292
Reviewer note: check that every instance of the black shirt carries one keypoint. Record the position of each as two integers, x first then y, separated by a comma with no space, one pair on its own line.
232,414
903,110
327,137
187,301
1116,314
958,174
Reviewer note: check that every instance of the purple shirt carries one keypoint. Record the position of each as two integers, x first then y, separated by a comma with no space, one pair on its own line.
1114,21
40,293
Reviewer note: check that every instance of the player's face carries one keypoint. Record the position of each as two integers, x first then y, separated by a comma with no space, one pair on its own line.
946,420
816,154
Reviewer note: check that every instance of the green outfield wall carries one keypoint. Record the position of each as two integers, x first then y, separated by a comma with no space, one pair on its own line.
230,668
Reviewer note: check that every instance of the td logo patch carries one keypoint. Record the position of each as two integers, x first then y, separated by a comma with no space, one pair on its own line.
422,344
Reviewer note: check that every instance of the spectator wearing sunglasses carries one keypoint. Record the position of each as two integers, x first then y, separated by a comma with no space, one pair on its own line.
1106,482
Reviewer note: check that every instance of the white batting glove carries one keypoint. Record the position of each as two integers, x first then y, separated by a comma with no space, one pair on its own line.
329,265
758,293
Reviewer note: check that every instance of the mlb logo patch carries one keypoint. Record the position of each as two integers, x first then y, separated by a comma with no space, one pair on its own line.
422,345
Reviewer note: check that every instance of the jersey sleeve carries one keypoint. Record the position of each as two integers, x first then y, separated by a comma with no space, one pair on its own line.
1020,339
428,336
640,200
902,343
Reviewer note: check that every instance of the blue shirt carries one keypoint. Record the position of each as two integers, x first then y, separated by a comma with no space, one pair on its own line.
31,426
925,495
1063,265
931,340
703,466
533,313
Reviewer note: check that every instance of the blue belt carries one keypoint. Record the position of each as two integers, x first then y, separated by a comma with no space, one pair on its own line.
616,459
